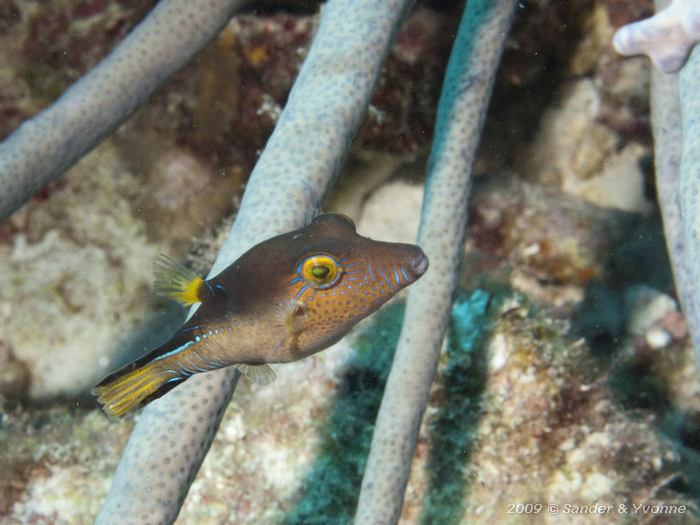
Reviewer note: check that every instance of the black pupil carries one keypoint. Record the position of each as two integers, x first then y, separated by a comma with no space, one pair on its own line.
320,272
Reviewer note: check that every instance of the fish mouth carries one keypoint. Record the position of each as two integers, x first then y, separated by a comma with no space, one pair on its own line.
420,263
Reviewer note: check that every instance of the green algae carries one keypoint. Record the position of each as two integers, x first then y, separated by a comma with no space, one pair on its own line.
637,256
454,429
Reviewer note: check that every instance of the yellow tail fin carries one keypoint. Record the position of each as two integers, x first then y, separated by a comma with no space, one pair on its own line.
177,282
128,389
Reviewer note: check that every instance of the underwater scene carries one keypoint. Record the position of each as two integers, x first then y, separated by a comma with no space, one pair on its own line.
302,262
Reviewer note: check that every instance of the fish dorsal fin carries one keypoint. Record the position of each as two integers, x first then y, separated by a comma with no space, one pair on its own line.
261,374
176,282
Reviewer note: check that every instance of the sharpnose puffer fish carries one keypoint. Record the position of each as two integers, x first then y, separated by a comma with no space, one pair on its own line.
284,299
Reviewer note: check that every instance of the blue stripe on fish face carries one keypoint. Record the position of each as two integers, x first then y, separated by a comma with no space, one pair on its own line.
303,289
371,273
396,276
386,279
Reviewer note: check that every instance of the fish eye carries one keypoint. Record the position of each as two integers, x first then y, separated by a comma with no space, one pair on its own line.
320,270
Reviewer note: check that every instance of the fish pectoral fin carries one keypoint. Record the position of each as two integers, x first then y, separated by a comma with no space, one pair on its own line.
261,374
176,282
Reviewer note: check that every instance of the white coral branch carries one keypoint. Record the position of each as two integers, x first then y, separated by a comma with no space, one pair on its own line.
667,37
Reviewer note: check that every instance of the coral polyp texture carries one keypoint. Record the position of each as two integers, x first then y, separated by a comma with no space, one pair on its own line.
285,190
461,113
43,147
666,38
567,375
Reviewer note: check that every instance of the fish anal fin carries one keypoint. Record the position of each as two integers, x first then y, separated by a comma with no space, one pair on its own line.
176,282
262,374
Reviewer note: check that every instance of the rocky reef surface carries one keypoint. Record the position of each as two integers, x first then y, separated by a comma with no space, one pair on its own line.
567,377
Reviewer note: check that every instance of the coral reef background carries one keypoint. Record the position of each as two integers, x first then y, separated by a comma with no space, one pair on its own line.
567,376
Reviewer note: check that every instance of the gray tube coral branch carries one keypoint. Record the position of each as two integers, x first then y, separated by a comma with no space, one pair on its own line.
666,38
668,140
461,112
689,189
286,189
43,147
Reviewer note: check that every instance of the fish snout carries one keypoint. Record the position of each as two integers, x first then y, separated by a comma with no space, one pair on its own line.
419,262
